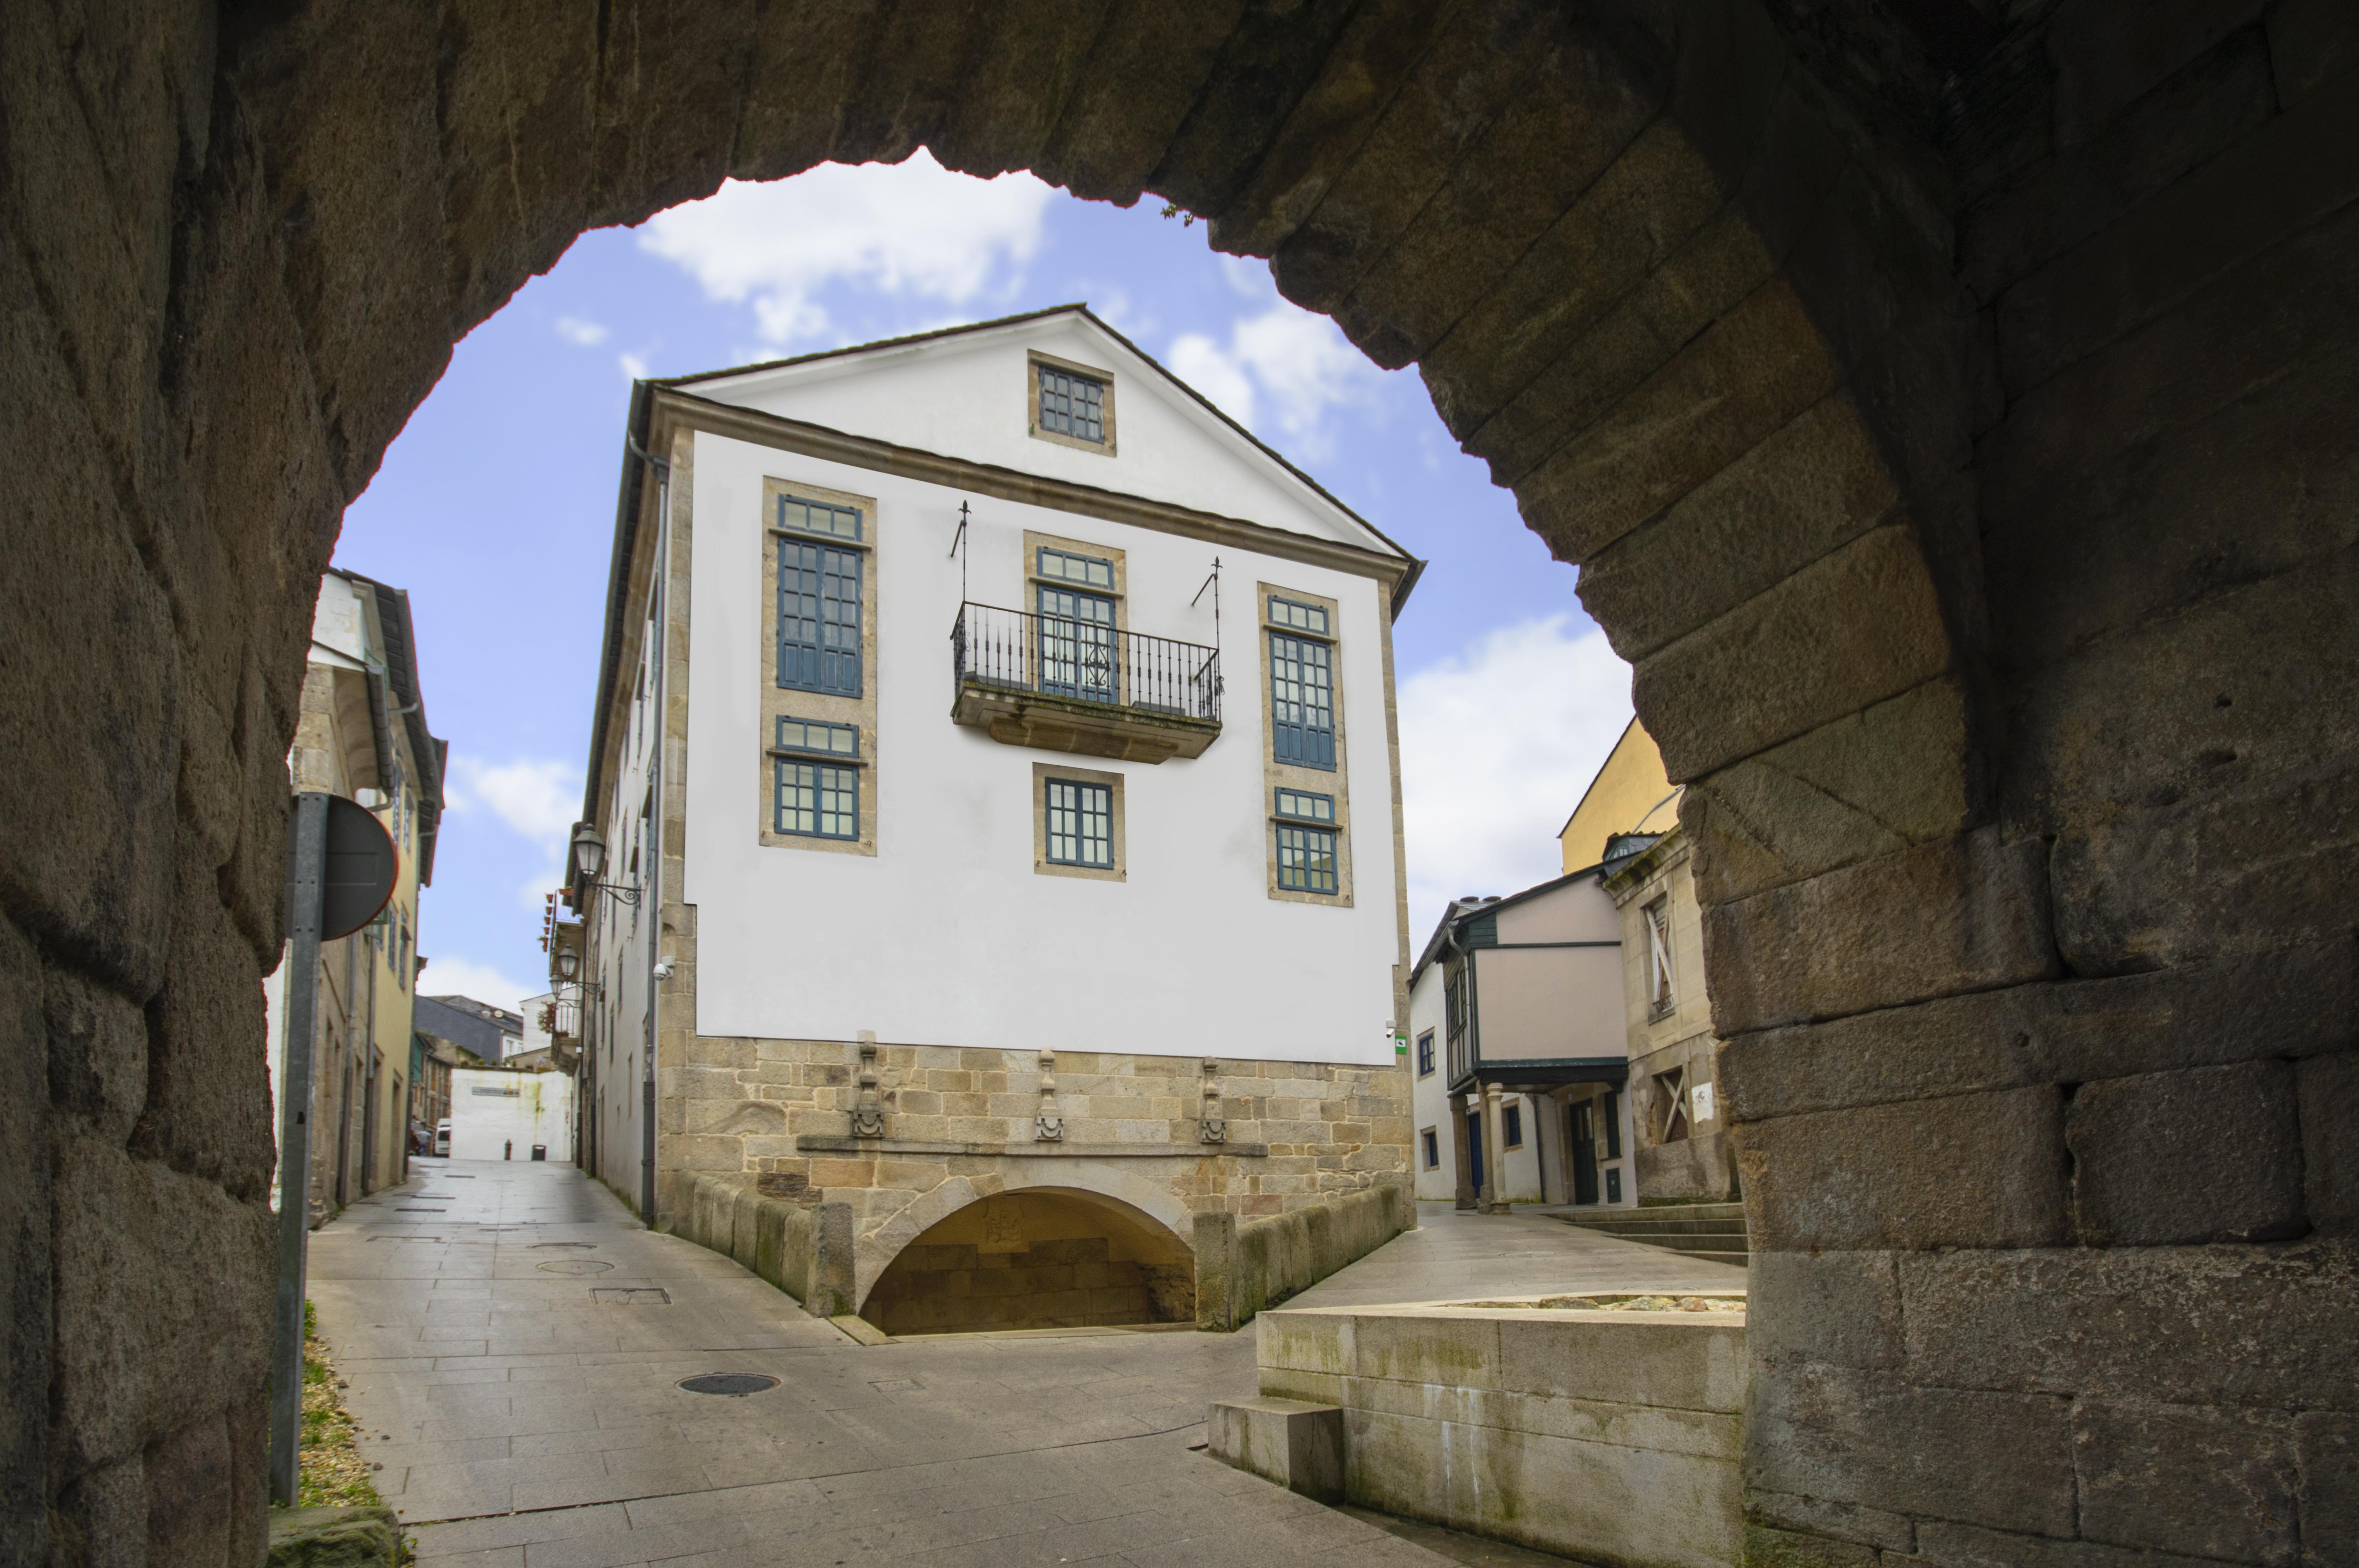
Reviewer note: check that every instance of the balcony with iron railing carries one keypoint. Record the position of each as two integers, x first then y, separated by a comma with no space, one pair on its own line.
1076,686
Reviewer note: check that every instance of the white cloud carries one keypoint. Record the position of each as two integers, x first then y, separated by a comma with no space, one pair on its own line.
632,366
1214,372
463,977
1497,746
1281,373
912,229
537,798
574,329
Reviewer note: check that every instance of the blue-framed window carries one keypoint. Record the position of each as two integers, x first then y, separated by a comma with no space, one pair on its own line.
1511,1126
1304,806
819,736
1299,617
1081,571
818,598
1080,823
1302,698
1072,405
813,797
818,517
1306,859
1079,652
1432,1150
1425,1055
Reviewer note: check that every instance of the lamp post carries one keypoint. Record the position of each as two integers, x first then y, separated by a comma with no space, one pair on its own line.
589,852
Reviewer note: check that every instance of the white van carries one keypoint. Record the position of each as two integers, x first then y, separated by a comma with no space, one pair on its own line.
442,1138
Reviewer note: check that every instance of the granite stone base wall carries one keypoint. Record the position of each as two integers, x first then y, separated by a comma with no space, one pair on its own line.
1243,1267
1606,1437
961,1126
805,1249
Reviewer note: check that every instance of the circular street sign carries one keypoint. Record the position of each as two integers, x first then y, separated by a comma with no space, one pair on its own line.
361,869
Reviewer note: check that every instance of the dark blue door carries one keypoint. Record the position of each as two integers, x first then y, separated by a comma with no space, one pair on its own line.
1474,1148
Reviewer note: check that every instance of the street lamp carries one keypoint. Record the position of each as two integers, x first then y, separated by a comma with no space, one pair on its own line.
588,852
589,861
568,964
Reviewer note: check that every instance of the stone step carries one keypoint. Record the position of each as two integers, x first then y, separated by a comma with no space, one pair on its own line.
1297,1444
1661,1226
1742,1259
1713,1232
1736,1243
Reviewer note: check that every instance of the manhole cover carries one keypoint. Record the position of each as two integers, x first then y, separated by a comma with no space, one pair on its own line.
543,1246
575,1266
626,1296
735,1384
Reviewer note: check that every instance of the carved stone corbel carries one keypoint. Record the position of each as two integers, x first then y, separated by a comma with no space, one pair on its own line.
1049,1126
1213,1127
867,1112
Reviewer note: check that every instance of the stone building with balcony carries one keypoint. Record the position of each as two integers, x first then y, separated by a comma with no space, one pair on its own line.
993,822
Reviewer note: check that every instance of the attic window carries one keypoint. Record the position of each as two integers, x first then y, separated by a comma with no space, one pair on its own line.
1071,404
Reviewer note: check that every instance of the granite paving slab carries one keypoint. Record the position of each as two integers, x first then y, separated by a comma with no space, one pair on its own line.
523,1424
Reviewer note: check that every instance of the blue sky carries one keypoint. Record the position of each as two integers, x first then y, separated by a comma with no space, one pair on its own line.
496,506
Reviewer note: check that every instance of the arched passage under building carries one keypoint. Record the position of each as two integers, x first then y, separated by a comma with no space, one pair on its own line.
1037,1258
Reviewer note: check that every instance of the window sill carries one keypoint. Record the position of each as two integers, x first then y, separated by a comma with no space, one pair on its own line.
832,541
831,759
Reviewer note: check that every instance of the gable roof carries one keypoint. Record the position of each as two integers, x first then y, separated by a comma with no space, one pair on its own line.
1081,312
1462,909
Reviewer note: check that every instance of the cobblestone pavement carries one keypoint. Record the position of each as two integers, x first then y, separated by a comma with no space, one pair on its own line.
514,1341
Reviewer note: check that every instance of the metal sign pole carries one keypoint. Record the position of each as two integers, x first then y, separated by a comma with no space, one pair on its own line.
307,856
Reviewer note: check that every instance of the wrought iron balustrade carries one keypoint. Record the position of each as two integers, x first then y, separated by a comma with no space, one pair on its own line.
1084,661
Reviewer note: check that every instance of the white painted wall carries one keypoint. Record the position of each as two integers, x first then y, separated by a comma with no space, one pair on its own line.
947,936
966,396
534,1036
491,1110
1428,1099
616,1020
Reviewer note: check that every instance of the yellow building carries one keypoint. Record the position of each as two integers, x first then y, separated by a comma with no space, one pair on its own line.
1630,795
1628,825
361,734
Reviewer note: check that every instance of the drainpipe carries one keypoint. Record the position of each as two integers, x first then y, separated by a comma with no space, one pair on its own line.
651,893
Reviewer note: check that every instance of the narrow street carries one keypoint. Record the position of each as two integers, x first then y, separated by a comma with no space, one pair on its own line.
515,1340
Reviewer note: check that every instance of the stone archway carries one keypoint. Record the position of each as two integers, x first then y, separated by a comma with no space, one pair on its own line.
1036,1257
1946,414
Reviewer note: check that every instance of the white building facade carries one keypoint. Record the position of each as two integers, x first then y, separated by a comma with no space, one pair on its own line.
996,773
1519,1052
502,1114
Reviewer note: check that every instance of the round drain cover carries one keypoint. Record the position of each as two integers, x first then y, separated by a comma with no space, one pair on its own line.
545,1246
732,1383
574,1266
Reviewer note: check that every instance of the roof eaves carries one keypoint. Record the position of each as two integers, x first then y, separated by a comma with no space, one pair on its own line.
626,526
850,349
399,633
